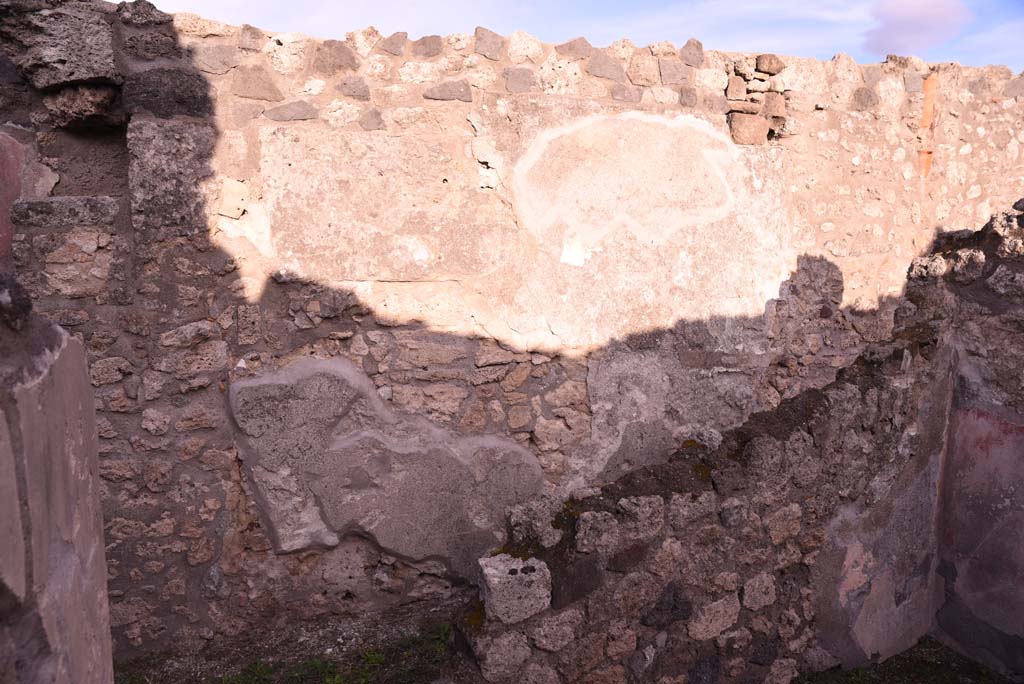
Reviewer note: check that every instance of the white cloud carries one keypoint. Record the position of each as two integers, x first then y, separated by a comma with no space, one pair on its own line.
999,45
912,26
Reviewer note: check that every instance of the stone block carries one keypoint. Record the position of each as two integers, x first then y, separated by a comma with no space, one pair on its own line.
450,90
427,47
519,79
61,46
300,110
748,129
515,589
353,466
770,64
167,93
255,83
692,53
333,56
394,44
603,65
577,48
488,43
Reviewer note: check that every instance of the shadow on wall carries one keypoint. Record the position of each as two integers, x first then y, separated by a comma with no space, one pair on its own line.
188,548
197,535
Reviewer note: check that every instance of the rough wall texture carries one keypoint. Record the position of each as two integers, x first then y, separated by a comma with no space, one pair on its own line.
54,615
349,303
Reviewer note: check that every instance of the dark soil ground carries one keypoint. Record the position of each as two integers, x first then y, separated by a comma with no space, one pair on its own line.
927,663
428,655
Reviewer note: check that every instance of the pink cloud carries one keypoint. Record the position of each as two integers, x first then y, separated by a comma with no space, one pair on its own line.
908,26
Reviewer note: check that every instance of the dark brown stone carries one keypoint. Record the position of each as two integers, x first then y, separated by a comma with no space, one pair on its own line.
355,87
770,64
519,79
602,65
167,93
450,90
300,110
1014,88
427,47
748,129
626,93
692,53
371,120
688,96
150,45
577,48
333,56
394,44
215,59
141,13
774,104
674,72
254,82
864,99
488,43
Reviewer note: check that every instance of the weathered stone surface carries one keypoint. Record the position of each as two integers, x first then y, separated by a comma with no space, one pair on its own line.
84,106
692,53
864,99
167,93
502,656
688,96
748,129
774,104
737,89
61,46
394,44
215,59
783,523
675,72
168,158
577,48
57,213
354,87
371,120
141,13
333,56
450,90
299,110
519,79
522,47
190,334
427,47
488,43
514,589
602,65
770,64
643,69
759,591
256,83
715,618
363,467
54,620
626,93
555,632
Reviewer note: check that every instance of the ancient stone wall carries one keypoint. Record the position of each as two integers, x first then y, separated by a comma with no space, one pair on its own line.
54,615
361,311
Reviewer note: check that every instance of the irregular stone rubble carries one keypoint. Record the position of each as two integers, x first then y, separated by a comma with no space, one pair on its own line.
215,205
807,538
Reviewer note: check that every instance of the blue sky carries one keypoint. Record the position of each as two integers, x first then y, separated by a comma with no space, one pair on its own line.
972,32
